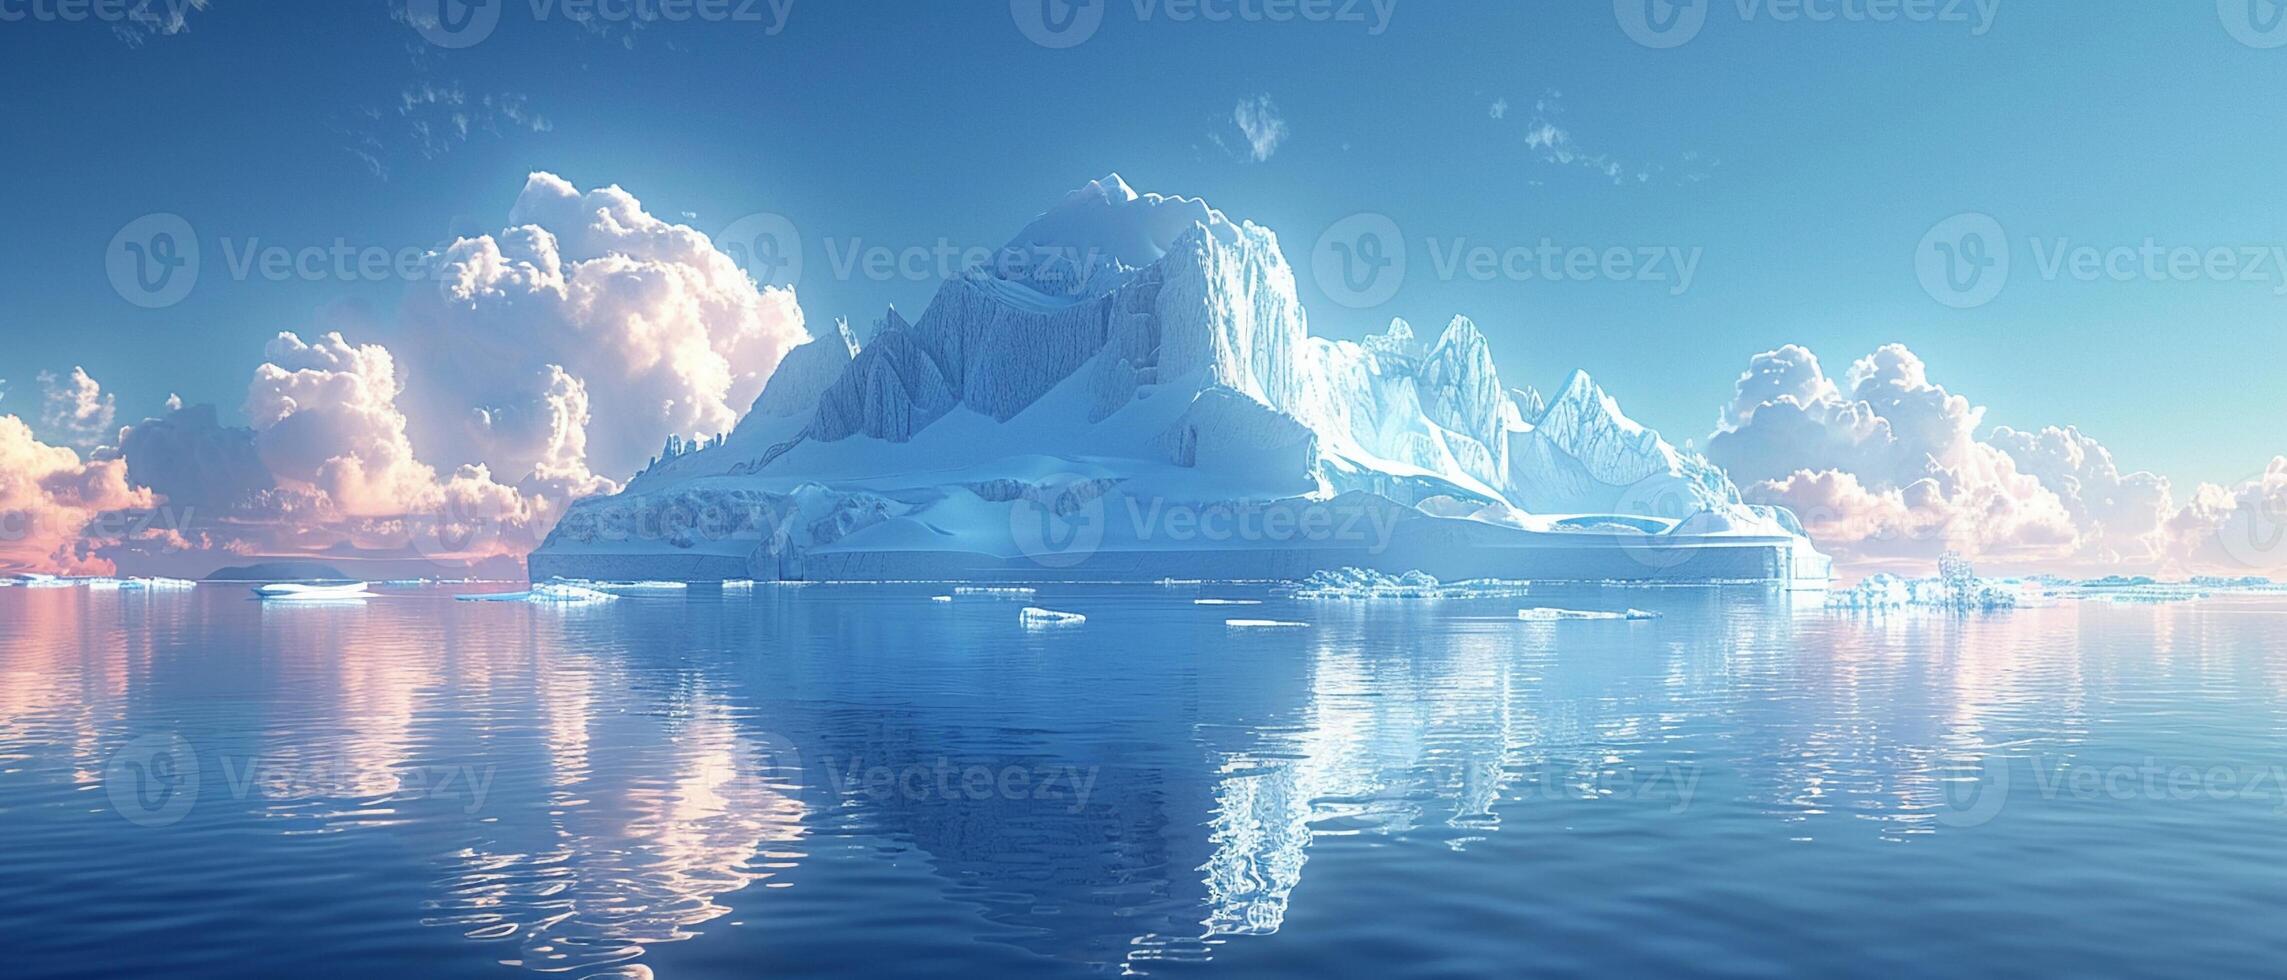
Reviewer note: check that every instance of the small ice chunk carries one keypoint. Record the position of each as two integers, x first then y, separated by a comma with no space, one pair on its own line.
940,598
1036,617
1263,624
738,585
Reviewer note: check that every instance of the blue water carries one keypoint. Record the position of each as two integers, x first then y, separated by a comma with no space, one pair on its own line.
846,780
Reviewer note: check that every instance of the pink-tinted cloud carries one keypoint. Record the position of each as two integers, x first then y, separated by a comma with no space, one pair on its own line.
1888,470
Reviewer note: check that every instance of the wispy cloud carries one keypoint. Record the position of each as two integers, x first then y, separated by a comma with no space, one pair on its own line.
1553,142
1499,109
141,21
1259,121
430,120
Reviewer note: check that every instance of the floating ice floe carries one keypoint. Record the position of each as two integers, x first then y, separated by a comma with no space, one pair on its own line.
1008,592
1548,615
1263,624
738,585
1365,583
312,592
158,584
1226,602
546,593
1034,616
940,598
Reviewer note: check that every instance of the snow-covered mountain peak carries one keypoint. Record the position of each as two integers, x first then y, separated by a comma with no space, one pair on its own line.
1107,219
1581,404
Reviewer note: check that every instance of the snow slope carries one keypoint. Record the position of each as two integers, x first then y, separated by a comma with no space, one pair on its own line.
1132,373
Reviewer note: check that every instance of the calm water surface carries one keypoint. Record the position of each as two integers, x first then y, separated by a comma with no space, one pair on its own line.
846,780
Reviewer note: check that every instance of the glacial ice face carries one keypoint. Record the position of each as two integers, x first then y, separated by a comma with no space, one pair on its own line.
805,375
892,389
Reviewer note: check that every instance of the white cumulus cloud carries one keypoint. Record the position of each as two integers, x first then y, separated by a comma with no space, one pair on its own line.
1888,469
74,408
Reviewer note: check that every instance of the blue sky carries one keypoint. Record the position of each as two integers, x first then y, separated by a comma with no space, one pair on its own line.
1802,162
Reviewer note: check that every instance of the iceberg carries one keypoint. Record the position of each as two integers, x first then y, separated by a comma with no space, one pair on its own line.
312,592
1034,617
1129,392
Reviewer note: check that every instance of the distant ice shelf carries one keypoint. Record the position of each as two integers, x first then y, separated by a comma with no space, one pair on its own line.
1365,583
1550,615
